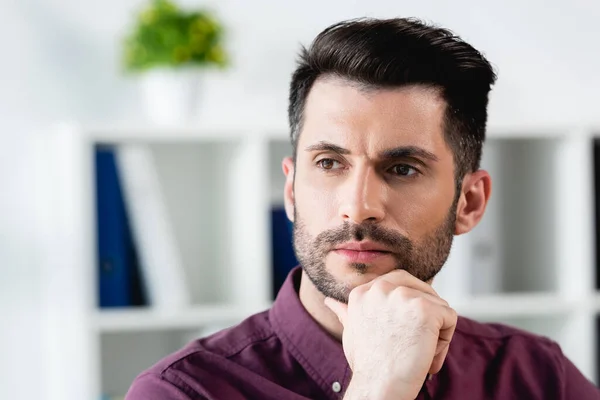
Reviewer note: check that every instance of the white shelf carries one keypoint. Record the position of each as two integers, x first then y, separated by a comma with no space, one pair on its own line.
511,305
128,320
595,303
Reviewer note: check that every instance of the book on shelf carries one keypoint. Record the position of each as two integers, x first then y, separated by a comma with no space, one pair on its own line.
118,268
163,273
137,258
283,257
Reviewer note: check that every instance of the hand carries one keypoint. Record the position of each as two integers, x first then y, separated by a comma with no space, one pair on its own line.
396,331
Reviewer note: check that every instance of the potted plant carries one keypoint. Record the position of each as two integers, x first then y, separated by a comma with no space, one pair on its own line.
167,48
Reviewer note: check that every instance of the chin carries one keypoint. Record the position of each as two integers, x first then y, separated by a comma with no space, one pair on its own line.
355,274
341,266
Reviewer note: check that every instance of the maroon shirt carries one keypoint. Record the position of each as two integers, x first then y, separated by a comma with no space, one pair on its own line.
283,354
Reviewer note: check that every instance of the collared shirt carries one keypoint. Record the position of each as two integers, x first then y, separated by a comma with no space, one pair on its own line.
283,354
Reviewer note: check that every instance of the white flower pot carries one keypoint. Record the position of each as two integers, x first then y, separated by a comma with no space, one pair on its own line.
171,96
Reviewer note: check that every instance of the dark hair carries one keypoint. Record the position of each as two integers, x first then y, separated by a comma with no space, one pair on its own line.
398,52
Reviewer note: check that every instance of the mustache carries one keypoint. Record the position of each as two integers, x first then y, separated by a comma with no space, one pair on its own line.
393,240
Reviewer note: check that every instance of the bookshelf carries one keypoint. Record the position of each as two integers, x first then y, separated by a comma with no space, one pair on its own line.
531,262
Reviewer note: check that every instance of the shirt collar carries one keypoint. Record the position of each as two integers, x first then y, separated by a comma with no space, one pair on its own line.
319,354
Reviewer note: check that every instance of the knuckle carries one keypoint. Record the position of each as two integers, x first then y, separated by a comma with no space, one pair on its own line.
420,310
421,304
402,274
380,285
402,293
383,286
356,293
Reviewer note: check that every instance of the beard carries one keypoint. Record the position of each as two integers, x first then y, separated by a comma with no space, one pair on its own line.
422,260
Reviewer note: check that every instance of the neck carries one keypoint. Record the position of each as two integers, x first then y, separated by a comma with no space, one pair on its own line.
313,301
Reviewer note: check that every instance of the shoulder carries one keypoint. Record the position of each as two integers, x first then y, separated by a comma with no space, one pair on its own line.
494,337
223,344
505,349
497,360
474,331
193,369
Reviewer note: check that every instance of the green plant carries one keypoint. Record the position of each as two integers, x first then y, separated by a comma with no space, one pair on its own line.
167,36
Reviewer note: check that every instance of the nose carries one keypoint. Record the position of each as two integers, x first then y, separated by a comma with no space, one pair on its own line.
362,197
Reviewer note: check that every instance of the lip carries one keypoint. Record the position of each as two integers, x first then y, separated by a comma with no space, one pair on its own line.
362,246
361,252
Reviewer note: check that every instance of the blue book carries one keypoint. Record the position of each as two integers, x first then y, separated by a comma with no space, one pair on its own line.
283,256
118,278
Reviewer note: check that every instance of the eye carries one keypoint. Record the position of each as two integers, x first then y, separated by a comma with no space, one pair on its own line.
403,170
328,164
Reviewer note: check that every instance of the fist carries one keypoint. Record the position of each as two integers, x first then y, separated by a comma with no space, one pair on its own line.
396,331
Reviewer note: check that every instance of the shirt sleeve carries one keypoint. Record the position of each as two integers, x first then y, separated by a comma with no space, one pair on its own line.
153,387
577,386
176,385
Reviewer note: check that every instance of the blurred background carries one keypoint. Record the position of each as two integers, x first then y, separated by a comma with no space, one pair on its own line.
79,100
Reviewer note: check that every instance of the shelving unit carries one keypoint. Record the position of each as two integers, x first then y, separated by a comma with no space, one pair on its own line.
109,321
530,263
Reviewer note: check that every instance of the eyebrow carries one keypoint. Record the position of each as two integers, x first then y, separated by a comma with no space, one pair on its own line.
390,154
326,146
408,151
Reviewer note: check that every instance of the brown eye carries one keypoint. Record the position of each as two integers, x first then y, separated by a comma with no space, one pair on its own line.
403,170
328,163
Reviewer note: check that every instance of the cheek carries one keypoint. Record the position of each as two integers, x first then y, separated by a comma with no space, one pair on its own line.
420,211
316,205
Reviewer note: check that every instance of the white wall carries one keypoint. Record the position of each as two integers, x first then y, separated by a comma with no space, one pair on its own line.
59,60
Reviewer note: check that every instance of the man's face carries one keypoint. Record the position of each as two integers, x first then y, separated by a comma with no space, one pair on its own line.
373,185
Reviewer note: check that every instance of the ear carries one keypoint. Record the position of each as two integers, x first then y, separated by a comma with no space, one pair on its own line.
475,194
288,190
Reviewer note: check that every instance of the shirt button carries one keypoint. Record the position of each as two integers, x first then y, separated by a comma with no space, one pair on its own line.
336,387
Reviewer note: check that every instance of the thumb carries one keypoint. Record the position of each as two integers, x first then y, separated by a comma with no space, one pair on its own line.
338,308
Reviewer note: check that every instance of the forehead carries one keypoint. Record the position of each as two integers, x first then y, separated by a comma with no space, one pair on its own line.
347,114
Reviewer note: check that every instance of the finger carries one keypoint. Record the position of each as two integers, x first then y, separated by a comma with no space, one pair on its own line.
401,293
450,319
438,361
404,278
445,337
339,309
441,352
399,277
406,293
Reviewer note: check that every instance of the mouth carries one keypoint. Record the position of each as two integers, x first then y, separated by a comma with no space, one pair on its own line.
357,256
361,252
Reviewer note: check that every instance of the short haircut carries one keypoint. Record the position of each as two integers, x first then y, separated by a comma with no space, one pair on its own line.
390,53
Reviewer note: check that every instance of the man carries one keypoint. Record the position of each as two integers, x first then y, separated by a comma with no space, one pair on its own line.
387,121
